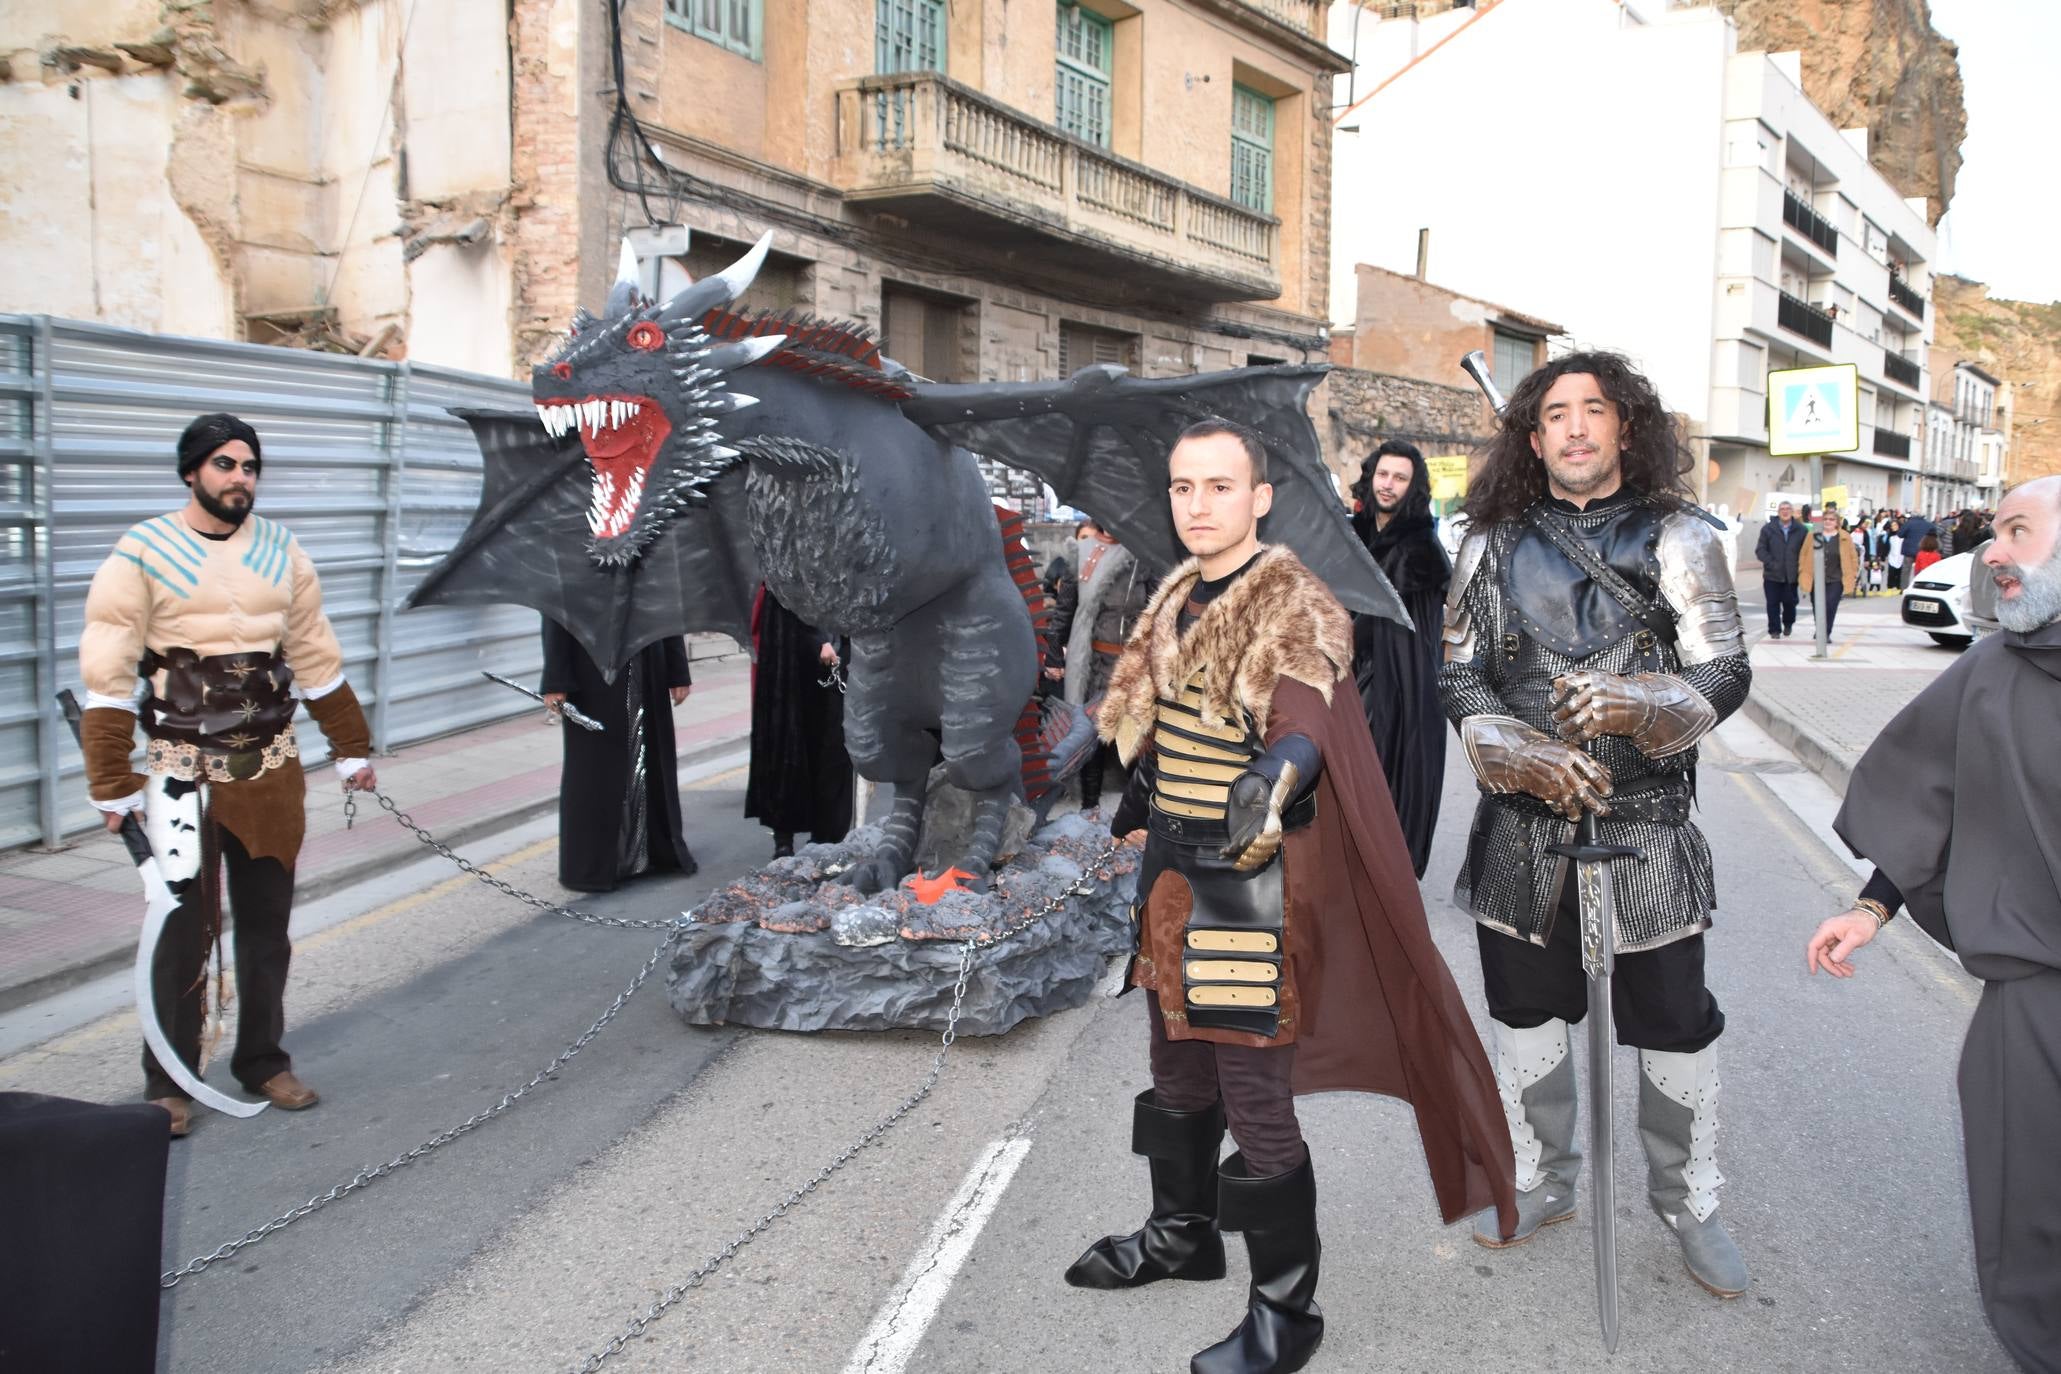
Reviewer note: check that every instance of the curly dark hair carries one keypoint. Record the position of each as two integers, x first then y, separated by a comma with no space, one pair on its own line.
1512,479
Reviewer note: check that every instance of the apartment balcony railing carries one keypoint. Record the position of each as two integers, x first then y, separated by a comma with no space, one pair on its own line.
1900,293
1900,370
1304,16
944,155
1801,317
1890,444
1809,223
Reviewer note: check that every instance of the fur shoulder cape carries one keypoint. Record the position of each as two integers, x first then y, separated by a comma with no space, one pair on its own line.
1278,620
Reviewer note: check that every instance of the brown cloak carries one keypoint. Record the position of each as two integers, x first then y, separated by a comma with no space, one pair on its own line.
1376,1009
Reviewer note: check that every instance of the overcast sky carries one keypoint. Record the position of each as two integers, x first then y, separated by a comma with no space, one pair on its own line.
2004,225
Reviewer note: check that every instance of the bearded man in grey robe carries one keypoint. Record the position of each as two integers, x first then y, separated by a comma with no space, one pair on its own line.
1958,805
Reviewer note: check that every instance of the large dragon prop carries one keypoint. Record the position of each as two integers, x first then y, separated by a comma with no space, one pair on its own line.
681,452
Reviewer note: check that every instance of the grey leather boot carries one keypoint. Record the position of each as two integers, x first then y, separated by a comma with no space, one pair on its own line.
1678,1123
1535,1078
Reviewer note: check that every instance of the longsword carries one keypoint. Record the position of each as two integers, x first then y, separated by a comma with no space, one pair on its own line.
158,906
572,712
1598,902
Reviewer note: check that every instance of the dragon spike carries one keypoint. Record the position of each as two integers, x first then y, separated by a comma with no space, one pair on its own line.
717,289
743,353
723,403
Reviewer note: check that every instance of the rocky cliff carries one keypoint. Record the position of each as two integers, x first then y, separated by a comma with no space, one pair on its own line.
1876,65
2020,342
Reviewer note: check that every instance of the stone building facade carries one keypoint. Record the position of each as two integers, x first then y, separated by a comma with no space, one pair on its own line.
1143,183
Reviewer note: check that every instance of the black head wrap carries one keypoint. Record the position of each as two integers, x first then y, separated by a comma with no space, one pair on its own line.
208,433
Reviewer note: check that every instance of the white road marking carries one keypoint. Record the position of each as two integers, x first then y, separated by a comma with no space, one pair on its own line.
899,1326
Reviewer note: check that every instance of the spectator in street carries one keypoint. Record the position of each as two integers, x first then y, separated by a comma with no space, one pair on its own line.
1113,590
1969,532
619,794
1957,805
1893,552
1913,533
1779,549
213,616
1839,565
1928,554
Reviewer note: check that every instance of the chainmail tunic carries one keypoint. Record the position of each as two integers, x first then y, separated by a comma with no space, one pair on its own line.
1671,891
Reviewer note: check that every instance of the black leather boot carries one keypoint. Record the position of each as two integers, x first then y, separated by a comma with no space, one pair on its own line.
1179,1240
1282,1326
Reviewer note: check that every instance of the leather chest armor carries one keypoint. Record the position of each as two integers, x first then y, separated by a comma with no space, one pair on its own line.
1232,955
225,704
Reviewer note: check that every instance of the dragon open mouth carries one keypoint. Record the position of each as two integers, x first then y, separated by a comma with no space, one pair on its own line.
622,436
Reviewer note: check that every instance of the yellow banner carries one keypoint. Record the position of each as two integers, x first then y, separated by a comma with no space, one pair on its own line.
1833,496
1448,477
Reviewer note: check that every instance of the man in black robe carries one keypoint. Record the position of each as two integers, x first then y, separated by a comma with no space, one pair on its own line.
619,796
1958,804
801,776
1397,671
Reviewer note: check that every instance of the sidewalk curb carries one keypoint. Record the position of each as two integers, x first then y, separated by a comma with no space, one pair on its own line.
335,880
1799,742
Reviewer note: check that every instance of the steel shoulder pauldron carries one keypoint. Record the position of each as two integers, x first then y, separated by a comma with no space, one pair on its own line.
1459,636
1697,583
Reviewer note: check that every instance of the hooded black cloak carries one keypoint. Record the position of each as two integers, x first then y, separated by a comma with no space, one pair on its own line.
1397,670
1958,802
801,776
608,828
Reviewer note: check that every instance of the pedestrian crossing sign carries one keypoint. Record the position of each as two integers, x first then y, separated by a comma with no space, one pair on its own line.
1814,410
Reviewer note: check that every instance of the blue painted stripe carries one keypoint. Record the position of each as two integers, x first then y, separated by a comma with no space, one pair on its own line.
281,539
170,562
264,539
187,536
174,588
164,548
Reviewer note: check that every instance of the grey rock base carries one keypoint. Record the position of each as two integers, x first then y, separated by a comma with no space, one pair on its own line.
784,948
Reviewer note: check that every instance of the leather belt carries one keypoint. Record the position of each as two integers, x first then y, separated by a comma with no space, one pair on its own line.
1187,832
1104,646
221,703
1663,800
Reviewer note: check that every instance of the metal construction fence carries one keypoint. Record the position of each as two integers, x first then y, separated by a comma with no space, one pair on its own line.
363,461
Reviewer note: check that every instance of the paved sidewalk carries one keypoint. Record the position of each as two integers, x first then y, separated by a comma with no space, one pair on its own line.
1828,711
69,915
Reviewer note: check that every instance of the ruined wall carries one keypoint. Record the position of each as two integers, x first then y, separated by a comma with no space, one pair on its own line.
326,173
2021,343
1355,410
1877,65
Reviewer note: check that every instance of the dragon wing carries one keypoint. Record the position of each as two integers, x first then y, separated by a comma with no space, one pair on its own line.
1101,438
527,545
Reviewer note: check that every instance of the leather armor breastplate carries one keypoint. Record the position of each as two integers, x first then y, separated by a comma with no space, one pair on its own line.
1231,948
224,703
1553,601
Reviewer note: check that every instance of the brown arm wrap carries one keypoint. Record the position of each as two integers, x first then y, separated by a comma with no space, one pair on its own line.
343,723
107,736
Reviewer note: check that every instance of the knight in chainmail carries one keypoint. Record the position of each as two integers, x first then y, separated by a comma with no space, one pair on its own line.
1592,638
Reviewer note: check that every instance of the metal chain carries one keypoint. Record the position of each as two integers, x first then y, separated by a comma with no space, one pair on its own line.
365,1178
465,865
1098,868
836,678
674,930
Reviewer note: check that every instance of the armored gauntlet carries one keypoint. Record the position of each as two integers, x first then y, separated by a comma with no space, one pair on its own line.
1659,713
1277,779
1510,756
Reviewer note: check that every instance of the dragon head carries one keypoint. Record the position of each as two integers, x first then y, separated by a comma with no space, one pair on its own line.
645,387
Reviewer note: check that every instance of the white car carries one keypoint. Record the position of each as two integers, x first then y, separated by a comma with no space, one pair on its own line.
1937,602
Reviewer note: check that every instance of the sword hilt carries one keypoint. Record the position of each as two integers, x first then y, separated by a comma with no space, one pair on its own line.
133,838
1587,848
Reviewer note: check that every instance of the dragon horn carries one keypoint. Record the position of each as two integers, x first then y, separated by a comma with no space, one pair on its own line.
623,295
743,353
717,289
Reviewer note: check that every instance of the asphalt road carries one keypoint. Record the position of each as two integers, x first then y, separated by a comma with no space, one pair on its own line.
527,1244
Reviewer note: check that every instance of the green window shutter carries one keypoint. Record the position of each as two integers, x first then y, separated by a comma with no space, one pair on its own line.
1082,87
908,36
732,24
1252,149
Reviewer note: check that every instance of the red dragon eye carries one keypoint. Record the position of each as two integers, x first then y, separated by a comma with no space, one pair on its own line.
562,371
647,337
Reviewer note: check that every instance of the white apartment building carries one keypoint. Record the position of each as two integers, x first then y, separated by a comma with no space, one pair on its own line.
1621,168
1963,462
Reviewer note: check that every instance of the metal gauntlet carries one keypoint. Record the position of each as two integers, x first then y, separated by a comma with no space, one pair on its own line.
1659,713
1277,780
1510,756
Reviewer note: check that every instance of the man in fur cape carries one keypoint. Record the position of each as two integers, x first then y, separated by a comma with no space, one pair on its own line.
1282,942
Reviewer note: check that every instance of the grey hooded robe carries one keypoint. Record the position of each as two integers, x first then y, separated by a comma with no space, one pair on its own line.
1958,802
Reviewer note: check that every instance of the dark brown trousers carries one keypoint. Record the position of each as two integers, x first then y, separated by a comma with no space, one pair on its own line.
260,897
1253,1082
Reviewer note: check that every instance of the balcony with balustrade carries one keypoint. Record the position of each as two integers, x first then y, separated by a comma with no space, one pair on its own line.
943,155
1902,296
1900,370
1890,444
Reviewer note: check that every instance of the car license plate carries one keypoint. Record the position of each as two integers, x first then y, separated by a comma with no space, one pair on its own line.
1923,607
